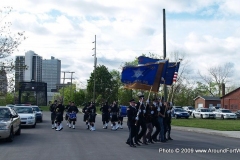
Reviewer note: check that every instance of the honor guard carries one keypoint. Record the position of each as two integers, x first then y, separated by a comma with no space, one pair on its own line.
161,115
131,122
168,117
52,109
142,121
105,114
149,119
58,119
155,122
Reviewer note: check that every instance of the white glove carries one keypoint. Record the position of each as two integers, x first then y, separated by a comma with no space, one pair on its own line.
144,111
147,101
136,118
152,112
158,109
139,111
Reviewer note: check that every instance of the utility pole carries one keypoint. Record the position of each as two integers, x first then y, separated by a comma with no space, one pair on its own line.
164,50
64,72
95,63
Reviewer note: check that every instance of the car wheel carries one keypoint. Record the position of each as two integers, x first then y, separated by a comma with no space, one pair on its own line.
34,125
11,136
193,116
222,117
19,130
201,116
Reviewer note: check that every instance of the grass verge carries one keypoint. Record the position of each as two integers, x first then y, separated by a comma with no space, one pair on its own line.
215,124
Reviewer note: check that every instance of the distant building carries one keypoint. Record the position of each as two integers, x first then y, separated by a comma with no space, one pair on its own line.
19,70
3,82
51,73
33,63
231,100
207,101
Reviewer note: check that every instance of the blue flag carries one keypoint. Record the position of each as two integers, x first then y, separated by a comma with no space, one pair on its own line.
168,71
139,74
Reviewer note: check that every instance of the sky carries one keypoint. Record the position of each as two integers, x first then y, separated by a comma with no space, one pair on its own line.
205,32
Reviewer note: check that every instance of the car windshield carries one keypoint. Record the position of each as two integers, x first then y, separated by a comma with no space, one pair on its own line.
226,111
179,110
23,109
205,110
4,113
36,109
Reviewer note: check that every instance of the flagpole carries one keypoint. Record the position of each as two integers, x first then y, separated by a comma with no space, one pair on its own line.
149,93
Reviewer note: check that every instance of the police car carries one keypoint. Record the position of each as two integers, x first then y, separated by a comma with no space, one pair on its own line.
225,114
27,115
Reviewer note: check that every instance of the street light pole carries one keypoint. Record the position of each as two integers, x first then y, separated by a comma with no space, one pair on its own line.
164,50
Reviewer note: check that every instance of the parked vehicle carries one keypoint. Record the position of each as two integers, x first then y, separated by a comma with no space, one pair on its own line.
27,115
189,109
238,113
10,123
225,114
177,107
179,113
203,113
38,111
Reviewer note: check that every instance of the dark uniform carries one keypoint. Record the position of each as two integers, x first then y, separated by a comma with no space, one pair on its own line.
92,115
86,114
149,119
141,122
105,114
72,109
168,119
131,122
52,109
155,122
114,114
66,110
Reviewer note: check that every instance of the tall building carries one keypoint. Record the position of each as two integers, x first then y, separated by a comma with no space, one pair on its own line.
3,82
19,70
51,73
33,63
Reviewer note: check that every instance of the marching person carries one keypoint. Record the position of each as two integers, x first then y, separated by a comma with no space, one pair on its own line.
66,110
149,119
141,121
61,108
120,117
155,122
105,114
131,122
114,118
92,116
58,119
168,121
86,114
161,115
73,110
52,109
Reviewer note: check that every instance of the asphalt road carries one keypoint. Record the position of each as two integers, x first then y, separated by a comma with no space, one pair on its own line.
44,143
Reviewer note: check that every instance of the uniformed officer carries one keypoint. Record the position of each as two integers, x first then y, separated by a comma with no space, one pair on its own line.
142,120
155,122
131,122
66,110
114,113
105,114
168,117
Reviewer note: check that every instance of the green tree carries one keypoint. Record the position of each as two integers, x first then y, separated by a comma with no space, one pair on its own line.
104,84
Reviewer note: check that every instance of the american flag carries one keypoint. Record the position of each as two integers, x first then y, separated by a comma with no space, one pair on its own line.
176,73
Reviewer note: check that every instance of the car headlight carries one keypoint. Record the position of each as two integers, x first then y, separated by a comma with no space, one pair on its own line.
4,126
31,117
